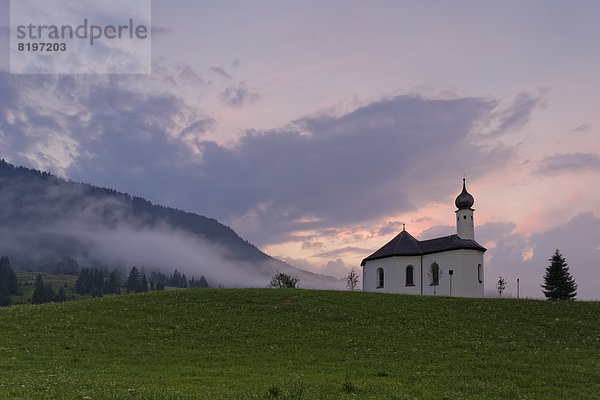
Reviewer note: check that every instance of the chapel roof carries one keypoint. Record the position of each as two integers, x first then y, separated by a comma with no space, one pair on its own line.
404,244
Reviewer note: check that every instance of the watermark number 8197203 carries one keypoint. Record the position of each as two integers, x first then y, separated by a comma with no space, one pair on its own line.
42,46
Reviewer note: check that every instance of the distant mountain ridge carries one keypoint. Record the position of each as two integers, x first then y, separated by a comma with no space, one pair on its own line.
42,217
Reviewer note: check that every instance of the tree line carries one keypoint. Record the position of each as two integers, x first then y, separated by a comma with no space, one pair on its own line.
176,279
558,282
96,282
137,282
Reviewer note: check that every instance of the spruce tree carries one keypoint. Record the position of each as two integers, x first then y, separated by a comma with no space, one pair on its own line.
98,285
134,281
5,299
143,284
558,283
38,292
80,284
61,295
89,281
49,294
8,276
42,293
183,282
203,282
114,282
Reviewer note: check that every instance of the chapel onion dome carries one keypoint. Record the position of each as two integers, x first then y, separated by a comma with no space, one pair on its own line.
464,199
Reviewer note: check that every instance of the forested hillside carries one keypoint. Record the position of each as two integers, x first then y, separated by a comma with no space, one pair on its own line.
53,225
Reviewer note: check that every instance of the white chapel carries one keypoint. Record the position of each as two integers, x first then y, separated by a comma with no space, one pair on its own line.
448,266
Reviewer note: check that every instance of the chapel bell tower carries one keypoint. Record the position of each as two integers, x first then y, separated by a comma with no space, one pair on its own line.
464,215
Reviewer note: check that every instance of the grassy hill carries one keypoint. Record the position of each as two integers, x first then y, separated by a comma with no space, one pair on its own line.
299,344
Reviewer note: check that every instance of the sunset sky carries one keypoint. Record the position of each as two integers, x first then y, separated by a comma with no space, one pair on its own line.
315,129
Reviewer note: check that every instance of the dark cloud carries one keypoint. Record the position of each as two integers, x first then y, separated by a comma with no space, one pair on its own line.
585,128
390,156
390,227
220,72
235,63
187,75
130,139
25,126
181,78
312,245
569,162
199,127
517,113
240,95
113,133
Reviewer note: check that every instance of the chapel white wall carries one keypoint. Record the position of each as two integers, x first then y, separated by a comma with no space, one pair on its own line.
464,263
394,273
465,280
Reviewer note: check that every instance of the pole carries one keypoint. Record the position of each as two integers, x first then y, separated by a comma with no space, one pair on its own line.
421,280
517,288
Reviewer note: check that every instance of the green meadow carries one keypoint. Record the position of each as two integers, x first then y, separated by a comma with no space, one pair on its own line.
299,344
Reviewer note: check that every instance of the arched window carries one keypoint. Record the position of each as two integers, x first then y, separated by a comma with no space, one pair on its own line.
379,277
480,273
434,274
410,273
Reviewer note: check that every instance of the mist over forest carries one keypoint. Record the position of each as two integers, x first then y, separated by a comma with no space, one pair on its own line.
49,224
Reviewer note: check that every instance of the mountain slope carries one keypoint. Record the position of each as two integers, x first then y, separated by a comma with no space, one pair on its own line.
45,219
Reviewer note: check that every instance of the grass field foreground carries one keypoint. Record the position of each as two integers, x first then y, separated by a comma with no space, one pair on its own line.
299,344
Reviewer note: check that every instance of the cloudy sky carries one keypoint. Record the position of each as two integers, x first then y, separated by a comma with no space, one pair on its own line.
315,129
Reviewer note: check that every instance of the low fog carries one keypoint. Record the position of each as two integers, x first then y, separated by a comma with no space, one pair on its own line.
47,219
159,248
